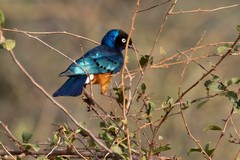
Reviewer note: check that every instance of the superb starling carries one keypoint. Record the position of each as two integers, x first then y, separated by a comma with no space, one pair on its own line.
97,65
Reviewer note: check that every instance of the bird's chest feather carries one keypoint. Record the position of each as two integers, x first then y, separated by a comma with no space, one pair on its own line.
102,79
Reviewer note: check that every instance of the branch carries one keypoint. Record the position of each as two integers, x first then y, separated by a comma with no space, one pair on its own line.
124,109
76,153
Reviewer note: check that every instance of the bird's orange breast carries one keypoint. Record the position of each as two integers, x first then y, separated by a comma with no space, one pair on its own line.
103,80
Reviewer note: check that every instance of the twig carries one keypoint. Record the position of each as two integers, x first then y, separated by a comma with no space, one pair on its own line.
11,136
223,131
54,148
205,10
79,153
51,33
5,149
149,8
190,134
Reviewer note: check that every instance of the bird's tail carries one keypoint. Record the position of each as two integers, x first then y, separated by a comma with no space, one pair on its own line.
72,87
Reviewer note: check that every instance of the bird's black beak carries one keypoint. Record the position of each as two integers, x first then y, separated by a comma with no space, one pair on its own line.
131,46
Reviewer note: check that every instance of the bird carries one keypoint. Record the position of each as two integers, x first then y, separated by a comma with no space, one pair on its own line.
97,65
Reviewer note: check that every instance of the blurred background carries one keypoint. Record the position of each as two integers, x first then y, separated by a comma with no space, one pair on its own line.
24,108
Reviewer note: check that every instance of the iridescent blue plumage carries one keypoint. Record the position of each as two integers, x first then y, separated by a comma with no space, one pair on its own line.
105,58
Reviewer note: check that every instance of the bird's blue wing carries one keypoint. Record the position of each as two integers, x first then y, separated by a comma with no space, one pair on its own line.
101,59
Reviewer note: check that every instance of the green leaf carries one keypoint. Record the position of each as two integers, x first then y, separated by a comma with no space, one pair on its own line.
143,87
91,143
186,104
232,96
103,125
119,93
150,108
161,149
168,104
116,149
214,85
144,158
41,158
60,158
237,107
29,146
8,44
238,28
2,19
162,51
234,80
106,137
223,49
202,103
193,150
26,136
54,139
207,150
145,60
213,128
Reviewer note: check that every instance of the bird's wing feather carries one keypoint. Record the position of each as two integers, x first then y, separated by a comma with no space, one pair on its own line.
101,59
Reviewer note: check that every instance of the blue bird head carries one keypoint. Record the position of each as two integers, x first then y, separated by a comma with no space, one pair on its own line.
117,39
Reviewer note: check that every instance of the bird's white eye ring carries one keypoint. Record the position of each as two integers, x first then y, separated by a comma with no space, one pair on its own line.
124,40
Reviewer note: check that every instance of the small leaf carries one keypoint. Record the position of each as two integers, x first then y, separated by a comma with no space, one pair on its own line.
103,124
54,139
60,158
213,128
2,19
106,137
117,149
193,150
150,108
91,143
214,85
168,104
202,103
8,44
26,136
40,158
207,150
237,107
161,149
232,96
143,87
144,158
29,146
234,80
222,50
238,28
162,51
119,93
